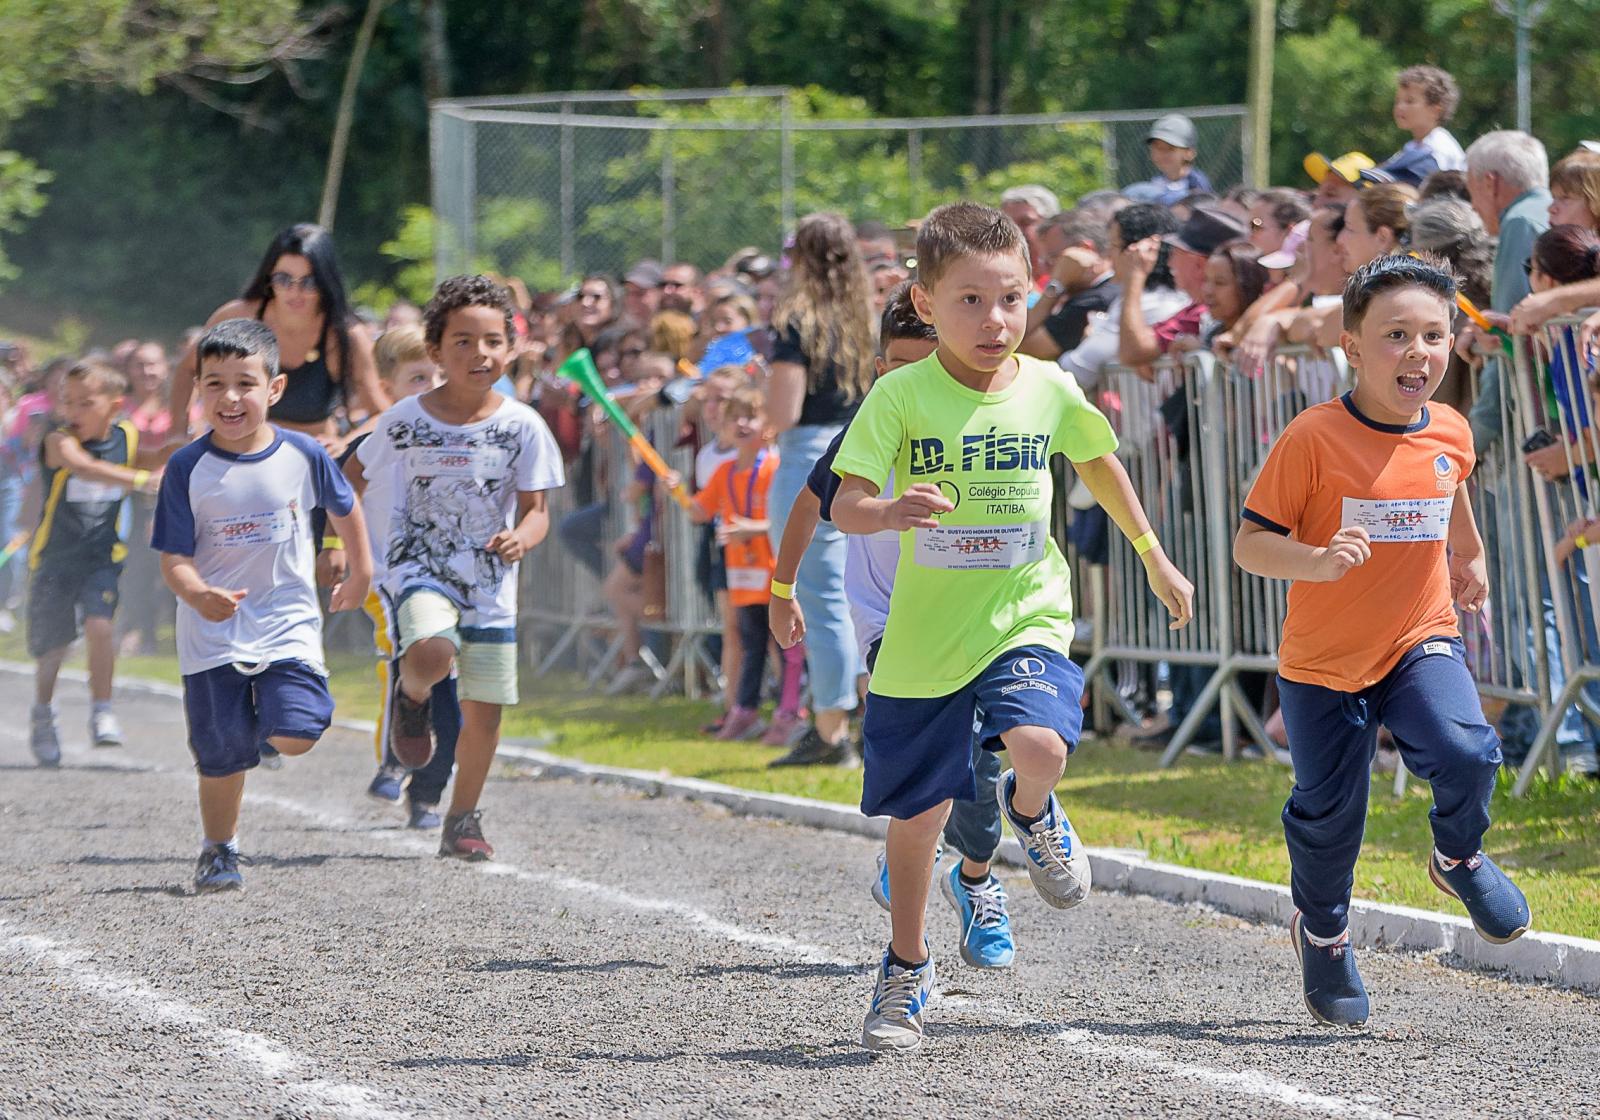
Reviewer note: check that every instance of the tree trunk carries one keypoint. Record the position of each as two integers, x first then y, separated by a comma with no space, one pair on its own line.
435,50
346,114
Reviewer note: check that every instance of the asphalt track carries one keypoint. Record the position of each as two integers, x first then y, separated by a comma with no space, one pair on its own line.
647,957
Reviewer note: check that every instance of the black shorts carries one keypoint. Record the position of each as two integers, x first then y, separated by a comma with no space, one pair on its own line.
60,595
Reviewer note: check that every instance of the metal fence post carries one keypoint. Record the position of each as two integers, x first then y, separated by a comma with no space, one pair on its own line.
669,217
568,204
786,166
1108,149
914,170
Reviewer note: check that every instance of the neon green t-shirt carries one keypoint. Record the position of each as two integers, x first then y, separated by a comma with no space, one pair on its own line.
989,578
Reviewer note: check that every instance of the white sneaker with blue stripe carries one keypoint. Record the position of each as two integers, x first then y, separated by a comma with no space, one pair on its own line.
894,1021
986,940
1057,863
880,885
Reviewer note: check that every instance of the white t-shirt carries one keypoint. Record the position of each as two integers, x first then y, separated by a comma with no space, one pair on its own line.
869,566
708,459
450,489
246,522
1101,343
376,504
1446,151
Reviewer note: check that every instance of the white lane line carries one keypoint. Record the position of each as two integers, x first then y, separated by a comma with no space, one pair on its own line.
1245,1083
140,1001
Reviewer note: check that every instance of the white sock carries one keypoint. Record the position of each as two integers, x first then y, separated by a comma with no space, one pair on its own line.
231,844
1324,942
99,706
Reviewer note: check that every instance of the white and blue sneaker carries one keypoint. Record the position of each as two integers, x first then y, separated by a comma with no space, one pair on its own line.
389,782
894,1021
217,870
1057,863
880,885
985,925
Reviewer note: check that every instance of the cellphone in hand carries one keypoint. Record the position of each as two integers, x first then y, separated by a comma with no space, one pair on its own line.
1537,441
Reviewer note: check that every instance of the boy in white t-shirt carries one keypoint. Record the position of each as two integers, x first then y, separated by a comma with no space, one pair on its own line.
233,527
466,470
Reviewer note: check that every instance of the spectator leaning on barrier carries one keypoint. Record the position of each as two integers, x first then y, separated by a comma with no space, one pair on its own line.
1075,251
1188,249
1508,175
1575,200
1337,179
1451,228
1273,214
681,289
641,291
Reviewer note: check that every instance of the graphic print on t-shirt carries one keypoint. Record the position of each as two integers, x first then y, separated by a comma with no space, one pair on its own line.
459,484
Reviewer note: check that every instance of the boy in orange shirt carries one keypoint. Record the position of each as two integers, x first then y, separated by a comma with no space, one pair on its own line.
736,497
1363,504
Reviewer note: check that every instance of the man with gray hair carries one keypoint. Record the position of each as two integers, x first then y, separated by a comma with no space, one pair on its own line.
1076,256
1028,205
1508,178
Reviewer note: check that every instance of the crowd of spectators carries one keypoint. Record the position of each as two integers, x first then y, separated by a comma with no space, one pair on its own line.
1123,277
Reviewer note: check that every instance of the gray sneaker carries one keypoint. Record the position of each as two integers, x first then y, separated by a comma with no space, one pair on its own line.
1057,863
894,1021
42,738
104,730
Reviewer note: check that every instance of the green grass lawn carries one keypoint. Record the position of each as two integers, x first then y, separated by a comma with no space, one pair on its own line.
1203,813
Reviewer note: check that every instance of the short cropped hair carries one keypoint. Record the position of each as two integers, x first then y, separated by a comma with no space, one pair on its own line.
397,347
1437,86
239,338
1396,270
466,291
1082,224
1041,198
100,376
1288,206
964,229
747,400
901,322
1517,158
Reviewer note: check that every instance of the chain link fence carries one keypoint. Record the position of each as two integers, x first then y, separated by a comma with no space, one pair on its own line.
550,186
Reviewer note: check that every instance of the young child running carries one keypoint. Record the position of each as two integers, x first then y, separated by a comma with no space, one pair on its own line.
233,526
88,464
973,828
736,498
405,369
980,621
1363,503
465,470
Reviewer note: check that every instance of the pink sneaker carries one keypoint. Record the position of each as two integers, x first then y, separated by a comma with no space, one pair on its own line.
741,725
784,727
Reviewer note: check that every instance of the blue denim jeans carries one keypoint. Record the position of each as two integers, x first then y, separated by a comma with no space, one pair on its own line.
832,659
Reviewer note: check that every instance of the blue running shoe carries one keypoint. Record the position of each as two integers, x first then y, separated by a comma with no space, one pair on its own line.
1057,863
880,885
388,783
894,1021
1332,986
424,816
217,870
985,926
270,758
1497,906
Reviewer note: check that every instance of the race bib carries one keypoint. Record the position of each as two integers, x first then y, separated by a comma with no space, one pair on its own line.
252,528
748,579
1400,519
457,462
981,548
87,490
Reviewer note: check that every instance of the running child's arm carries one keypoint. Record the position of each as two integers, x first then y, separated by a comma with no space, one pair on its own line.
351,591
1580,534
1262,552
214,604
62,452
1469,567
533,522
784,616
1109,483
858,509
736,528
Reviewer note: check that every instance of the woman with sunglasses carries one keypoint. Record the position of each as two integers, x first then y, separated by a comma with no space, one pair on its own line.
326,353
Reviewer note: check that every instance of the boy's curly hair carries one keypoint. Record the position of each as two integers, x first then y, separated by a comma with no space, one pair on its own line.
466,291
1437,86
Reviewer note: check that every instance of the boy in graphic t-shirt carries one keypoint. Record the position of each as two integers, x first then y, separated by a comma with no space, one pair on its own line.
1362,503
980,621
465,470
233,526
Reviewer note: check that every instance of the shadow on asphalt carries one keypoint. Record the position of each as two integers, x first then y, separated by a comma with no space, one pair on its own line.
317,859
781,971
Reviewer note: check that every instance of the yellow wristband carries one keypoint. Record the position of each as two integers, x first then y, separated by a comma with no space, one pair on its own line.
783,590
330,544
140,477
1145,543
1581,541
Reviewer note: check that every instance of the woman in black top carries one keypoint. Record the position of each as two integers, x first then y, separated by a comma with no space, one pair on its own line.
326,354
821,368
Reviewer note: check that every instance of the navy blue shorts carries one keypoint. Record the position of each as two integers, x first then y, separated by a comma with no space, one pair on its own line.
231,713
60,595
918,751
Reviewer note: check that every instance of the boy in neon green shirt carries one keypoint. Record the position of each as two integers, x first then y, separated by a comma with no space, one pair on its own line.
981,619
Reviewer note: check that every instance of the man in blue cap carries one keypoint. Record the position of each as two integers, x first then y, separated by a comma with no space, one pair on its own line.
1171,142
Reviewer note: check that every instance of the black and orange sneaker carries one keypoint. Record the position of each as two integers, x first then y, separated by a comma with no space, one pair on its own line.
463,838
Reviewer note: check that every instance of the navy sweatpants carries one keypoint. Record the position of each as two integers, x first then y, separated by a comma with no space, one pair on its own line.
1430,705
